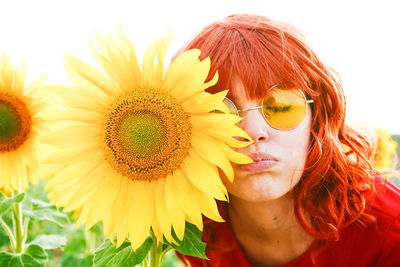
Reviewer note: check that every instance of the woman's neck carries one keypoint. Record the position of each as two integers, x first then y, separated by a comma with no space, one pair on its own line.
268,232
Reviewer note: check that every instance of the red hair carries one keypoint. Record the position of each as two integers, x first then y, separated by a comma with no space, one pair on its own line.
338,179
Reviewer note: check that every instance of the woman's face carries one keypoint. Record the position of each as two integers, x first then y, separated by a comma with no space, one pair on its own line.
279,156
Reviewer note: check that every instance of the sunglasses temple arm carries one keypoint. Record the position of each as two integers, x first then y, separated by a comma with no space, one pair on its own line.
252,108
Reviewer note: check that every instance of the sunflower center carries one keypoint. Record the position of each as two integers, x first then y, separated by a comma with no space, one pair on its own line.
143,134
15,122
147,135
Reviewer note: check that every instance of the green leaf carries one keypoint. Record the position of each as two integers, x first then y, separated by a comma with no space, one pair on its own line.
42,211
108,255
7,202
191,243
49,241
70,260
76,242
34,256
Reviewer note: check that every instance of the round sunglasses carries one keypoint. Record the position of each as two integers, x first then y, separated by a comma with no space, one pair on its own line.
283,109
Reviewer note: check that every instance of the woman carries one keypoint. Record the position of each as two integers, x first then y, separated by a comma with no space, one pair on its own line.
311,195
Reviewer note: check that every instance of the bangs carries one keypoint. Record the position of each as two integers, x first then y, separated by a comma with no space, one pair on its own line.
261,63
259,59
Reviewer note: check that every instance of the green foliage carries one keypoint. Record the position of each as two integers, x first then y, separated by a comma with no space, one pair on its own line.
108,255
70,260
34,256
53,241
50,231
80,247
43,211
191,243
7,202
49,241
3,239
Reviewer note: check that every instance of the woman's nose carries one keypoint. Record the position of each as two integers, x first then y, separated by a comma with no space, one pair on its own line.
255,125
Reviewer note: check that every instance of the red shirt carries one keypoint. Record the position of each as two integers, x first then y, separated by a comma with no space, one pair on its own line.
358,246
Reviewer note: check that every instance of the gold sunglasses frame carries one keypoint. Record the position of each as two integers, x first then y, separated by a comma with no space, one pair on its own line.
265,116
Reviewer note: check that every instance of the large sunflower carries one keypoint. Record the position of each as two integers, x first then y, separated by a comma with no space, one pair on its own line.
142,149
20,125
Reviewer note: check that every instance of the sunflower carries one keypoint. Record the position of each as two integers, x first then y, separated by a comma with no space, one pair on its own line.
142,149
385,150
20,126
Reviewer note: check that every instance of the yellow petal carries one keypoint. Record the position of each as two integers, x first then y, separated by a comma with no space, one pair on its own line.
186,199
203,175
71,114
6,71
19,79
87,185
210,151
130,53
119,224
163,219
214,120
235,156
204,102
108,68
65,175
140,213
73,154
33,87
104,198
121,63
80,100
174,209
186,74
90,74
101,43
226,134
208,206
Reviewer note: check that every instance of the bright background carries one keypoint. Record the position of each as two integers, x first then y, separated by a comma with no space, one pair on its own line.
359,39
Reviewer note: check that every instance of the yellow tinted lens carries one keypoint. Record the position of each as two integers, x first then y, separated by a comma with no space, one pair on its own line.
232,108
284,109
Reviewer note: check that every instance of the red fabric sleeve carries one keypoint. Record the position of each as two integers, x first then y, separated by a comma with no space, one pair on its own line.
390,253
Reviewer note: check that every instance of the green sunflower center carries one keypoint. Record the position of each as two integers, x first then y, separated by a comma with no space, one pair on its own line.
9,122
147,135
143,134
15,122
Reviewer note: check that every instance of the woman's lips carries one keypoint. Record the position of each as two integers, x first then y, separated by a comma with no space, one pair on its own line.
259,166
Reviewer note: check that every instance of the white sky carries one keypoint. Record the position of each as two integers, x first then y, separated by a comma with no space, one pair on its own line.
359,39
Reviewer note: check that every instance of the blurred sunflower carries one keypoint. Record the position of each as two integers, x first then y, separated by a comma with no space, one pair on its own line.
20,125
142,149
385,150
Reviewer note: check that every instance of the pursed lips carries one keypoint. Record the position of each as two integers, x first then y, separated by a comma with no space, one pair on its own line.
262,162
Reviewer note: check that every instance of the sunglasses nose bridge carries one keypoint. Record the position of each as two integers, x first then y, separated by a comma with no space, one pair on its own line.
254,123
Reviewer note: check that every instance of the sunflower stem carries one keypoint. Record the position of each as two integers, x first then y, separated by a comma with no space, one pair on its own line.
9,233
144,263
156,253
25,233
18,228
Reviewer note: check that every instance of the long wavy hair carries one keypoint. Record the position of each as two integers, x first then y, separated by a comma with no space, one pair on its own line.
338,179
